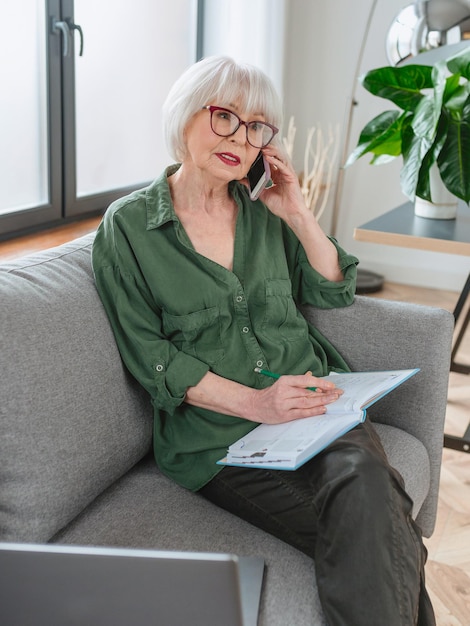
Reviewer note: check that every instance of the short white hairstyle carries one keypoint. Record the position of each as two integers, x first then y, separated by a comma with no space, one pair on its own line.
216,80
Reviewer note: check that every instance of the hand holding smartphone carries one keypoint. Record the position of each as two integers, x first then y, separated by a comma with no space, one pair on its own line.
259,176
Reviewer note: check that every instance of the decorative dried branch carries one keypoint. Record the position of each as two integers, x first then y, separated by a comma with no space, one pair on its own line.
319,160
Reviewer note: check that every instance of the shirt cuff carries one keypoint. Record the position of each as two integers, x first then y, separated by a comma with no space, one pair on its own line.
173,378
325,289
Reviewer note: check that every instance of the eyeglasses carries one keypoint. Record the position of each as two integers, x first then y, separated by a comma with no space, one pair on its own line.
225,123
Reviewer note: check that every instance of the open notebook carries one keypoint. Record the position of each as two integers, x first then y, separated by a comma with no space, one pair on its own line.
50,585
291,444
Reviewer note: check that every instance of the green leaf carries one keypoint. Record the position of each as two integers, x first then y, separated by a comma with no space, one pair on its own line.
423,186
439,80
401,85
460,63
453,87
428,111
426,118
378,126
454,158
381,159
456,102
382,135
414,149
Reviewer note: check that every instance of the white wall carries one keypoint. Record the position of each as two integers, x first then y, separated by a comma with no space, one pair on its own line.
323,39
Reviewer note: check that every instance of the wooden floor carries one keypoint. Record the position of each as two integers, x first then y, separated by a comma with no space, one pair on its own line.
448,567
21,246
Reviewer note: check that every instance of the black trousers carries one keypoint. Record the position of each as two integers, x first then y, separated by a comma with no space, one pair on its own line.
348,510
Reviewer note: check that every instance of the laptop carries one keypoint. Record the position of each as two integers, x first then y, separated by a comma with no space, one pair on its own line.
51,585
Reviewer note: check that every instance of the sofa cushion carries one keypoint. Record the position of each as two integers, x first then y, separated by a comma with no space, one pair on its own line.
146,510
71,420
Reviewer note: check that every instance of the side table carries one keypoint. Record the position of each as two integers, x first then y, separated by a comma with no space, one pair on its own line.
401,227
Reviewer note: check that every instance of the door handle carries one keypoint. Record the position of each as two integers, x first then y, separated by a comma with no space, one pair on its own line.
66,27
77,27
62,27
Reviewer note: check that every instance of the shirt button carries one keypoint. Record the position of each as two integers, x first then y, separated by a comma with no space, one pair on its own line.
259,363
159,368
245,329
239,298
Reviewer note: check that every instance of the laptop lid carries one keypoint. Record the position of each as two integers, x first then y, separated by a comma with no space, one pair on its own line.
86,586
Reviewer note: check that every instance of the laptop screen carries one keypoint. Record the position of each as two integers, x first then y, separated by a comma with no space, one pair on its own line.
70,585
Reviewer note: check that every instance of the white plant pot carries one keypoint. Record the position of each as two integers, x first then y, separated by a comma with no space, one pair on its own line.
444,205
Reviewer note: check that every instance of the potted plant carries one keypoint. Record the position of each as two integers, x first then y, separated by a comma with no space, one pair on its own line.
430,130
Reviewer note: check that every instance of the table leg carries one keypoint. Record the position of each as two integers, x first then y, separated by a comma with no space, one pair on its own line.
450,441
458,443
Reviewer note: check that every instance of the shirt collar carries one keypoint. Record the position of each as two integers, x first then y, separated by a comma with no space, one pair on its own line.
159,203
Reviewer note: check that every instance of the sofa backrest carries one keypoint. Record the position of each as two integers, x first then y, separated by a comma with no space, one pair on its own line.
72,420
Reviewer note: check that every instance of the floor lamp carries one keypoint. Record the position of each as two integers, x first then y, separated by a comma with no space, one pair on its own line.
367,281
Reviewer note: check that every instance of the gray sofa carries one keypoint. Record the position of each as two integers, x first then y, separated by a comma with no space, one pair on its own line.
76,430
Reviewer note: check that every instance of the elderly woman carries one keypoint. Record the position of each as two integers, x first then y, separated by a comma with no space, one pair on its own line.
201,285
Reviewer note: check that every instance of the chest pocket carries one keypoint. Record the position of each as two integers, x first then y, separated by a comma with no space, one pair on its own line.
197,334
282,317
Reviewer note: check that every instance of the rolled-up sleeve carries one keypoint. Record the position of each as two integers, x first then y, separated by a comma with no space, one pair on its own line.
310,287
163,370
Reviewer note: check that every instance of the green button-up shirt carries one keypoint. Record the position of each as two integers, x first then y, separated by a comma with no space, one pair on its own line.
176,315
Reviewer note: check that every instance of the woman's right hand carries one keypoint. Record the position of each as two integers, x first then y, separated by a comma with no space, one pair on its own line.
289,398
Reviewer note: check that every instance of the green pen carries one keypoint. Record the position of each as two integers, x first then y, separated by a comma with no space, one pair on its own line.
273,375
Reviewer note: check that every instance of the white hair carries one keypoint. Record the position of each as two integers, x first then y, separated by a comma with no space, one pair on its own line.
216,80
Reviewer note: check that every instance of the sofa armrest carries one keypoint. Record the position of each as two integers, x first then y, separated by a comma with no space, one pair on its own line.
375,334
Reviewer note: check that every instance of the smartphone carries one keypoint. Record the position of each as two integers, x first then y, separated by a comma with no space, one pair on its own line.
259,176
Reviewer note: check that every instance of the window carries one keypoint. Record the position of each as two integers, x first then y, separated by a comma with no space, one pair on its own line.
76,132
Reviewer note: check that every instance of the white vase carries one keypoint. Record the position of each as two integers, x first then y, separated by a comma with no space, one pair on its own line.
444,204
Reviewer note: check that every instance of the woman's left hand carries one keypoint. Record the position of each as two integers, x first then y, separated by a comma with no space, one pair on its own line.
284,198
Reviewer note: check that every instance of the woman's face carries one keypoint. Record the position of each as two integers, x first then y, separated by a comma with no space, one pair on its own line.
222,158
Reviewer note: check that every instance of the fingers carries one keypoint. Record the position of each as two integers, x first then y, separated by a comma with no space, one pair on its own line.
307,405
282,166
309,394
302,398
279,159
295,397
318,399
277,151
312,383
